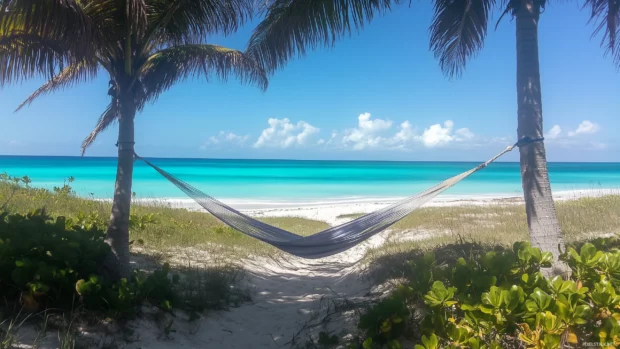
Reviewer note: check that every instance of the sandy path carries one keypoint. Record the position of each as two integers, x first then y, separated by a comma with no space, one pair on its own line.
289,294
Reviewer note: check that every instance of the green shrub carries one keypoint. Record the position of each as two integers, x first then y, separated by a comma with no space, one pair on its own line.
42,260
501,300
54,263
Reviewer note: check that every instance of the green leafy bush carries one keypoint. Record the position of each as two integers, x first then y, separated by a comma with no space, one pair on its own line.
501,300
54,263
41,260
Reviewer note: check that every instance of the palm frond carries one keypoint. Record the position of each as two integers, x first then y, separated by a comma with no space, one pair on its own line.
105,120
291,27
24,56
191,21
169,66
458,31
606,14
60,20
136,12
71,75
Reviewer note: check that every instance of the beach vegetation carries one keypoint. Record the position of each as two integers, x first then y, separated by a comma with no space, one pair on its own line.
155,226
496,223
419,248
143,46
457,33
54,263
499,223
468,296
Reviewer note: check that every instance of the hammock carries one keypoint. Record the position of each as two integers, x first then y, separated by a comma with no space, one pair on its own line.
330,241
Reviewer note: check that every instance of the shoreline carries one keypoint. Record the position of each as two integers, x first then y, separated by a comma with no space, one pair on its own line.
442,200
331,211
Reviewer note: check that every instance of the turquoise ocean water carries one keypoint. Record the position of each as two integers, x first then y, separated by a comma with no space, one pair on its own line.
291,180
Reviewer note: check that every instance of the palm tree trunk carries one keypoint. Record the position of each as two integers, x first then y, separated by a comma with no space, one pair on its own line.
117,266
541,215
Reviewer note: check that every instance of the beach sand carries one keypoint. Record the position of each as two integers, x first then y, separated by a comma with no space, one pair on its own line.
292,296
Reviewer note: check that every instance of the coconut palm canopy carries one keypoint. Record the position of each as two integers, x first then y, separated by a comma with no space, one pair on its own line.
457,32
145,46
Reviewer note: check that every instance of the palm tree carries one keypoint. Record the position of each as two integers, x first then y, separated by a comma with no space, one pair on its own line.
457,33
144,46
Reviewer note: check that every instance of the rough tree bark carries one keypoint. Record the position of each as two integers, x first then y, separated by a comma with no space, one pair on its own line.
117,266
542,219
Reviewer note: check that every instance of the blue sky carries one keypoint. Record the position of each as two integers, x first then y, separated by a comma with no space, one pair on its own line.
377,95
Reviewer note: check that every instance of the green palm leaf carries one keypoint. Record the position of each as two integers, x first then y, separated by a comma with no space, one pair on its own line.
23,56
606,14
458,31
191,21
70,76
169,66
105,120
291,27
62,20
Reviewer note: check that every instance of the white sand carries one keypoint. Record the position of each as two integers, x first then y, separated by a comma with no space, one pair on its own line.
290,294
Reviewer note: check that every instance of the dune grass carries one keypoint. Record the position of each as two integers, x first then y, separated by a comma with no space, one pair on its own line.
498,224
165,227
349,216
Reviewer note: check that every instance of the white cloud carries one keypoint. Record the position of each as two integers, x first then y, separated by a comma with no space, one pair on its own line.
585,127
367,133
370,134
225,137
463,134
554,132
330,140
284,134
406,134
575,139
438,135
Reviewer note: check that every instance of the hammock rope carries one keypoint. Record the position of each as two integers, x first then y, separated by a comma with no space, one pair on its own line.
332,240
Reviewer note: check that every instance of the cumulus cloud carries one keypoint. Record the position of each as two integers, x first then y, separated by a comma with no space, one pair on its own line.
225,138
367,133
576,138
554,132
585,127
438,135
406,134
372,134
284,134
